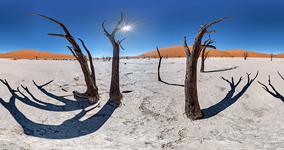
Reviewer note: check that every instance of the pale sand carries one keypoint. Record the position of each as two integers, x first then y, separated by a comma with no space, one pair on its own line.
151,116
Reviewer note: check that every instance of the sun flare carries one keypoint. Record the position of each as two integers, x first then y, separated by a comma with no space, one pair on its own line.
126,28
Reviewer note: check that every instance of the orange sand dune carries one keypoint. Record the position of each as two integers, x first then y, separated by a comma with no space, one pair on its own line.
178,51
279,56
32,54
239,53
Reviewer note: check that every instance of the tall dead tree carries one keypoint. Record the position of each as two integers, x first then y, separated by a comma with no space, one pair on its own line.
114,94
192,108
92,90
203,55
159,78
271,56
245,55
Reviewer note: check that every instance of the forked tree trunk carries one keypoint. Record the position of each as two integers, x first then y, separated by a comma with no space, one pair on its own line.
115,95
160,60
192,108
92,91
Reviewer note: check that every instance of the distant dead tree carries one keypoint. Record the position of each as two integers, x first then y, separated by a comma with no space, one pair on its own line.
159,78
92,90
203,54
245,55
271,56
192,108
114,94
167,56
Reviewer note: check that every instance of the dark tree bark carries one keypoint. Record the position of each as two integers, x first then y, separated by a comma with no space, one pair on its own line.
192,108
159,78
271,56
245,55
92,90
203,55
115,94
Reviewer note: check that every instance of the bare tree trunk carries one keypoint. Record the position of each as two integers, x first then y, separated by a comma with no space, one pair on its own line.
92,90
271,56
115,94
203,58
245,55
159,78
203,55
192,108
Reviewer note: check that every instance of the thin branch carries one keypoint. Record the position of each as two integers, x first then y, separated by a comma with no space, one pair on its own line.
159,52
121,40
187,51
60,35
90,58
206,54
61,24
214,22
116,27
213,31
72,51
106,33
119,43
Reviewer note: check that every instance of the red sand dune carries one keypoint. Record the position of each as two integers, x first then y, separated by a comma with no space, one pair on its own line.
32,54
178,51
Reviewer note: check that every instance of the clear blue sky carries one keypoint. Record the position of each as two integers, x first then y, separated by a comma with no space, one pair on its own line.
256,25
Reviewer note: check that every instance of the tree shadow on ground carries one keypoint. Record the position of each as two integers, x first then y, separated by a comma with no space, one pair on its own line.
171,83
229,99
276,94
220,70
70,128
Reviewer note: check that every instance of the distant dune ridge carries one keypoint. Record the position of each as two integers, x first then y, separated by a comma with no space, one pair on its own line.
172,51
33,54
178,51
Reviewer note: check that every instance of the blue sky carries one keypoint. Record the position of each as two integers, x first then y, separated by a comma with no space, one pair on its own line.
256,25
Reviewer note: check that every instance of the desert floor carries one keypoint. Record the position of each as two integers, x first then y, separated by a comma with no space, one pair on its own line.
43,115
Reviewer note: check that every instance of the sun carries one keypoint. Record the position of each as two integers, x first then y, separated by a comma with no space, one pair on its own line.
126,28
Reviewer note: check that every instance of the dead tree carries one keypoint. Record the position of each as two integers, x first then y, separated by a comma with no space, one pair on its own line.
245,55
159,78
192,108
92,90
114,94
203,55
271,56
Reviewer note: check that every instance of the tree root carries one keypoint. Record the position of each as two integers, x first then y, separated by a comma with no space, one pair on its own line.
90,97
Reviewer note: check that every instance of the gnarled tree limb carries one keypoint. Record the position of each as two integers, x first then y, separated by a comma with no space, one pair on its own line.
92,91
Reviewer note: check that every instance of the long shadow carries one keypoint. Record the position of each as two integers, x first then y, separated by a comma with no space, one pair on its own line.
68,105
229,99
70,128
172,84
276,94
220,70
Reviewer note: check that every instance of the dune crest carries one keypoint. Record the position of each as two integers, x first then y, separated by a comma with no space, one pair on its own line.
178,51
